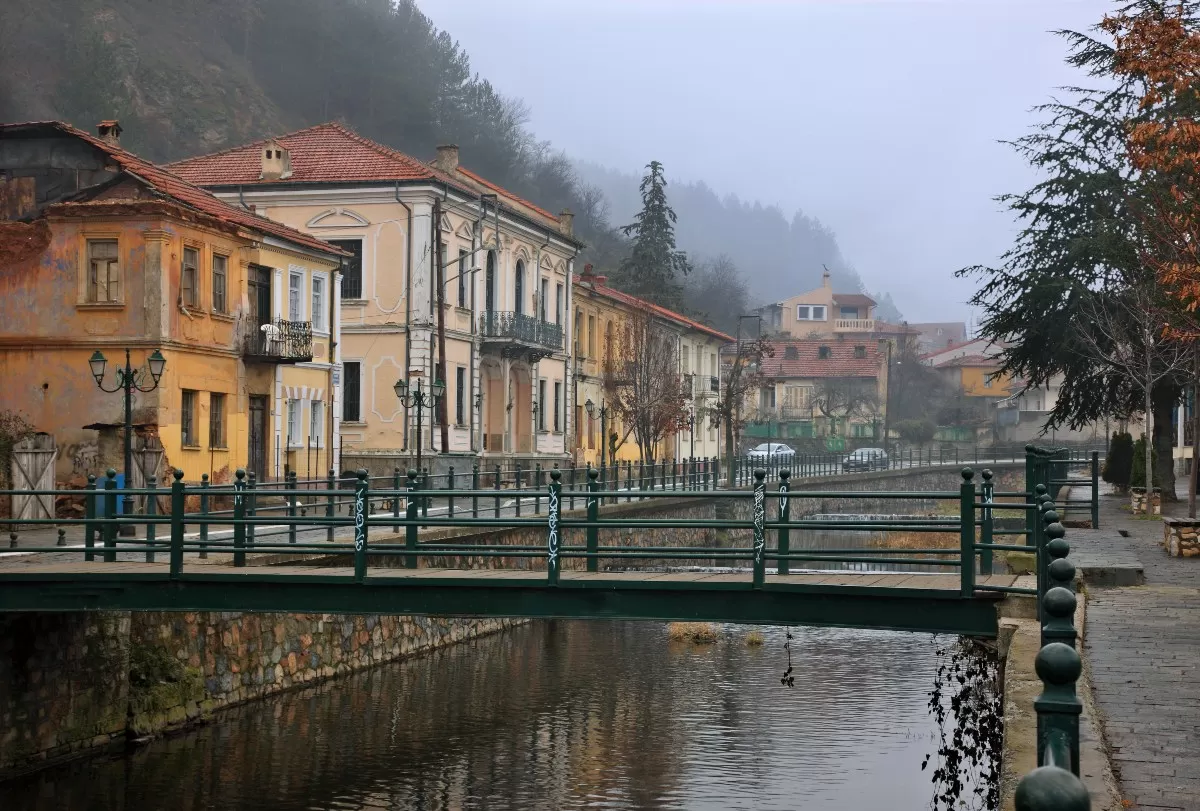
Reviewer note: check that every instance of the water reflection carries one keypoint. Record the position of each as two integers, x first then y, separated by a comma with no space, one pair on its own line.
556,715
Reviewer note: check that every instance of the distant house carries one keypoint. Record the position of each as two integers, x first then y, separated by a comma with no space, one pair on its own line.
937,335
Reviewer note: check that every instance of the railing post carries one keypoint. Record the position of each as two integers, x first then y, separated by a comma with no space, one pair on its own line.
716,471
89,517
291,510
517,487
985,555
1096,489
204,484
475,488
785,516
396,500
1045,507
592,534
552,501
361,512
411,529
450,494
330,503
966,501
239,518
251,508
425,498
537,486
150,511
760,533
1031,518
1060,574
497,484
110,516
178,505
1058,708
628,480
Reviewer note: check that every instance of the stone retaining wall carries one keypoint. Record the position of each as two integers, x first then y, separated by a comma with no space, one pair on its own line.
1181,537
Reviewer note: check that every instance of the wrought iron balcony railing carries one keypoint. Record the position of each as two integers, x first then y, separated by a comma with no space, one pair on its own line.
278,341
520,329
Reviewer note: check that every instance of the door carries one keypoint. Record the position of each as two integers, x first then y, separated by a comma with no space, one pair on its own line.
257,455
490,286
259,289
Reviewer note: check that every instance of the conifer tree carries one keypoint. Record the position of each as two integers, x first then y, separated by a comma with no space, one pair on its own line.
654,265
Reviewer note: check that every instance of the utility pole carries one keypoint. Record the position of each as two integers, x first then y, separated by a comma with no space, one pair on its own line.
887,396
439,274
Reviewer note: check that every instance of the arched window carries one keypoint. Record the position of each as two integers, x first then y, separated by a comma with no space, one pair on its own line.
579,334
490,288
519,287
608,345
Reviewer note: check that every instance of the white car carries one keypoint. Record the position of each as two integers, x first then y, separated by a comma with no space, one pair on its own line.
771,452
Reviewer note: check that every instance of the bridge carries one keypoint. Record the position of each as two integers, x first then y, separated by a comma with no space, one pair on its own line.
750,566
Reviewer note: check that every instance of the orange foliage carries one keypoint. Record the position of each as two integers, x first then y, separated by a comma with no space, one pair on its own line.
1162,51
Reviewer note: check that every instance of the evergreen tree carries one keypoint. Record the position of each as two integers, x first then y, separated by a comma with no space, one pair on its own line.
650,271
1118,466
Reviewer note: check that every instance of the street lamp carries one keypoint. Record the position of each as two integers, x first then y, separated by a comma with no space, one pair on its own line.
692,430
128,379
410,397
590,407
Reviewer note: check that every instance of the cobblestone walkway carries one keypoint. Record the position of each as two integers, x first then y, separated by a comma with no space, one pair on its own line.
1142,645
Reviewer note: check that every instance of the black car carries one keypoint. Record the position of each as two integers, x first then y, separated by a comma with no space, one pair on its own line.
866,459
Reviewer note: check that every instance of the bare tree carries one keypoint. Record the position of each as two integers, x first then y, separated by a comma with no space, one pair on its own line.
1128,331
845,397
741,375
643,384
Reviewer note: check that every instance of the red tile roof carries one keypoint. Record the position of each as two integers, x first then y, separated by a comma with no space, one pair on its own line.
853,300
169,185
506,193
326,153
808,362
642,304
969,360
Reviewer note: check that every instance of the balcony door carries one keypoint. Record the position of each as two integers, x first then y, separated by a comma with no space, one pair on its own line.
519,288
259,285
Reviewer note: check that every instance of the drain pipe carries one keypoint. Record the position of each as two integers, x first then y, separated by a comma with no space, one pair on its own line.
407,296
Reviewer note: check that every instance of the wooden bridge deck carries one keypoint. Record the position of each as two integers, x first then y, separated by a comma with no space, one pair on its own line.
899,601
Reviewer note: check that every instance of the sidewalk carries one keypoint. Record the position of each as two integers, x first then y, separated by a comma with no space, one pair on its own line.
1142,653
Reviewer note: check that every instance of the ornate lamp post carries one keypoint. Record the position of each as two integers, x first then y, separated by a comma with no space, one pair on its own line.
128,379
421,399
692,430
590,407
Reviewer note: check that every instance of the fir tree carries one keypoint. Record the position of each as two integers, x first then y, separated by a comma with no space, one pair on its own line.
650,271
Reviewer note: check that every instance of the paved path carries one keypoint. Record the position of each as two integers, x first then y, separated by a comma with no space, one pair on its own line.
1142,646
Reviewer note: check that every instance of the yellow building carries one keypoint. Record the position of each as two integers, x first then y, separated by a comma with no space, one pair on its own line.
106,253
600,314
821,313
505,268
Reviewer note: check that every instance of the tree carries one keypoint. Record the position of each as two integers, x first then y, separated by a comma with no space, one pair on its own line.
653,265
741,376
916,432
642,382
1081,245
1119,464
840,398
716,293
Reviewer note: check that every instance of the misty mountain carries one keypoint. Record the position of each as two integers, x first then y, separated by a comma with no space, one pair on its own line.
778,256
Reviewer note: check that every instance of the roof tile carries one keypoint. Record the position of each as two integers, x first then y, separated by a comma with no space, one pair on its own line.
808,363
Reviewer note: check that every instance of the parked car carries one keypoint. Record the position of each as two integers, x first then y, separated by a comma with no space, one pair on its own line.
865,459
773,452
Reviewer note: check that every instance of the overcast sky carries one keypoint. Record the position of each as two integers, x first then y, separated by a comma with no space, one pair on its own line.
881,118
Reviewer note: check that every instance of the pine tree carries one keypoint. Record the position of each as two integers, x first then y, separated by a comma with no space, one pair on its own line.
650,271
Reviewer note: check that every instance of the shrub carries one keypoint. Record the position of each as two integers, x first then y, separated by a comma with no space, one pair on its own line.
916,432
698,633
1137,468
755,638
1118,465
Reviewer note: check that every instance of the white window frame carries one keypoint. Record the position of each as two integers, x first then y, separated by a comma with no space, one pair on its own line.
316,424
299,314
322,325
541,413
294,424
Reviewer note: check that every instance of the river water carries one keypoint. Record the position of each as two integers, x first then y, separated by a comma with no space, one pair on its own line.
556,715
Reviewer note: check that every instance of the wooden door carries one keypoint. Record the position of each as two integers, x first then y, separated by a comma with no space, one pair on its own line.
256,457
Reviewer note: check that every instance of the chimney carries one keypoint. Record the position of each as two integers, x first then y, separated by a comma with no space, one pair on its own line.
447,158
110,132
276,162
825,279
566,222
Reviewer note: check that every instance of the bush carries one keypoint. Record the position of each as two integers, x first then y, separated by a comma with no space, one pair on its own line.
1118,465
698,633
1137,474
916,432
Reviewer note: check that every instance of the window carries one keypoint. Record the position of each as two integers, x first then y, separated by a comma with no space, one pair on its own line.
295,296
558,303
557,405
849,312
216,420
351,391
860,351
791,353
987,381
462,277
544,299
810,312
460,396
823,353
352,280
766,399
187,419
104,272
316,424
519,288
541,404
579,334
818,313
591,336
220,283
189,295
319,306
685,359
294,437
712,364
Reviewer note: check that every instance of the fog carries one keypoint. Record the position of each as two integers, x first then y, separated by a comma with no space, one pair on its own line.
882,119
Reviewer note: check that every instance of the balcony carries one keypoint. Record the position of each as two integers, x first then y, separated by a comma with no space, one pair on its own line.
277,341
854,325
518,335
714,386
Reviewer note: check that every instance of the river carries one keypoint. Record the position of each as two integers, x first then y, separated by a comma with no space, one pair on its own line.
555,715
